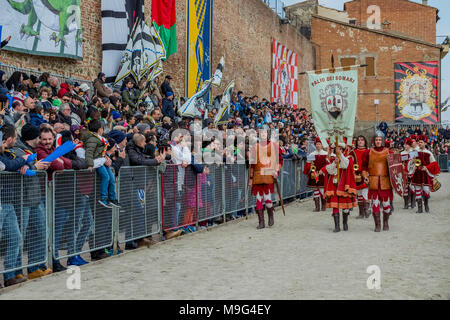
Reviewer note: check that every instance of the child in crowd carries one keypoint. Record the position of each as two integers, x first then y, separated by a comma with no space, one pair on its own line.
96,146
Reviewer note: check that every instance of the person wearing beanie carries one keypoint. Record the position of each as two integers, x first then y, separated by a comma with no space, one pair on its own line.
116,116
168,106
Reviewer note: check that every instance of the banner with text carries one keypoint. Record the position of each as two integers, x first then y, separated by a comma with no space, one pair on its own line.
334,98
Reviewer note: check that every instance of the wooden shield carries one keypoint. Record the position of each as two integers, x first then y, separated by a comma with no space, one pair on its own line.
398,176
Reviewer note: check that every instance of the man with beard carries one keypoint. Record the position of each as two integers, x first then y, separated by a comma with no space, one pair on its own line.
375,171
315,180
423,173
266,163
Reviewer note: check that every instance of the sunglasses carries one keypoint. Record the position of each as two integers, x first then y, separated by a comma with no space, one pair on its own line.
66,100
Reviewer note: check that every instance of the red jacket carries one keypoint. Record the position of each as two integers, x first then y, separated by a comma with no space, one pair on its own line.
58,164
63,90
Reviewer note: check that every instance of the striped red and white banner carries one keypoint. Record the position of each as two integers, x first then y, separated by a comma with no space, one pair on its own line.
284,75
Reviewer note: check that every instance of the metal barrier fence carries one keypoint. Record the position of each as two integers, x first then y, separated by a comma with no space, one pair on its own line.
9,70
23,222
442,160
43,220
79,223
138,194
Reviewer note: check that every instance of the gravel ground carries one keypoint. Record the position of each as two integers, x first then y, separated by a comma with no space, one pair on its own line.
298,258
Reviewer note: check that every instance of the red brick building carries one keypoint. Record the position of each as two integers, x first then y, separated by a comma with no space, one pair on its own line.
407,32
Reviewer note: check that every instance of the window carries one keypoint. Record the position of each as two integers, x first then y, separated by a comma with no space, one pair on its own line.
345,62
370,69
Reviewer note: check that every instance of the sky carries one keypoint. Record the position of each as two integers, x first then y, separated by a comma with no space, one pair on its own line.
442,29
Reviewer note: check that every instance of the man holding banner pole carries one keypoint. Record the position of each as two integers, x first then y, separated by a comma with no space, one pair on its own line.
333,103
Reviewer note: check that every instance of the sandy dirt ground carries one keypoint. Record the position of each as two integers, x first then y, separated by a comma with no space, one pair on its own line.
298,258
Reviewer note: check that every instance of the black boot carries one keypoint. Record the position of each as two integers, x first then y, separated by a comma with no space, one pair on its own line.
361,210
366,209
345,220
413,200
392,206
336,222
386,221
406,199
317,203
376,218
324,204
270,215
425,202
419,206
261,224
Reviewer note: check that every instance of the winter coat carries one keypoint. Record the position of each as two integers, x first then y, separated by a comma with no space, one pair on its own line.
167,108
130,97
37,119
165,87
64,119
137,156
100,90
61,163
12,187
64,89
94,148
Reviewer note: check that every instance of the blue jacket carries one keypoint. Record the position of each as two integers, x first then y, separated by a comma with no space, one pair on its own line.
37,119
167,108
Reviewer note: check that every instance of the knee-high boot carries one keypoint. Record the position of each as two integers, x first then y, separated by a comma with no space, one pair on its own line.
366,208
361,210
261,222
425,203
336,222
386,221
413,200
406,200
317,203
324,204
270,215
376,218
419,206
345,220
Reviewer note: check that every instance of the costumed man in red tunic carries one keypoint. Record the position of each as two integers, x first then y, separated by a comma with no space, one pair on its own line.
409,193
266,163
315,180
376,175
423,169
361,187
340,186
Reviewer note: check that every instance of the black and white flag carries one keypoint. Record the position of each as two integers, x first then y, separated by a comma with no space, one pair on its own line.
118,20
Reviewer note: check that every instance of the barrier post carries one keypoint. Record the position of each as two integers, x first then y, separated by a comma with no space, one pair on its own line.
51,208
246,193
196,201
160,213
223,194
115,224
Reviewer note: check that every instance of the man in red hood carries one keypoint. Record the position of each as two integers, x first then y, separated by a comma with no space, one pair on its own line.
65,87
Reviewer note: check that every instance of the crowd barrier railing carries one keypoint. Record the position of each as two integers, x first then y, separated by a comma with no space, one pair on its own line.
442,160
42,219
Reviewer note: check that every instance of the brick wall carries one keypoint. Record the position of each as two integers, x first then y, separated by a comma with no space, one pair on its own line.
242,30
409,18
345,41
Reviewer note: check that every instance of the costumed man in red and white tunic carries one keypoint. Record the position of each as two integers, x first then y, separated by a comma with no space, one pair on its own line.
376,174
423,169
409,193
315,180
340,186
361,187
266,163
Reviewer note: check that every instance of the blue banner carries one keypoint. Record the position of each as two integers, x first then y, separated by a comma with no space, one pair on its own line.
199,15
